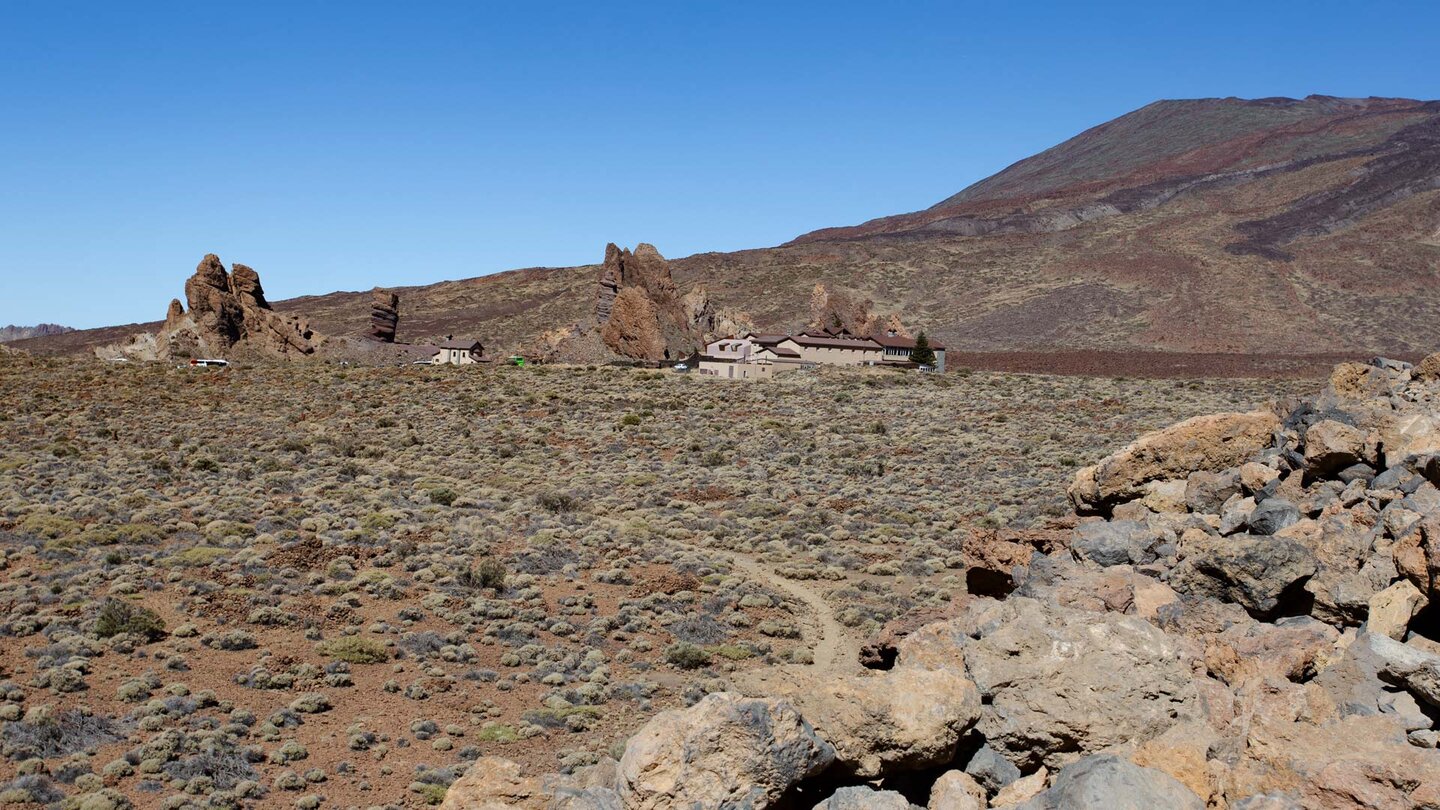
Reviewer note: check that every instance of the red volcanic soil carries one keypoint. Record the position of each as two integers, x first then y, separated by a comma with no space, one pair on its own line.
1152,365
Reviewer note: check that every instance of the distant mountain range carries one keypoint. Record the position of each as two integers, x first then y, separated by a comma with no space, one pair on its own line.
1263,226
9,333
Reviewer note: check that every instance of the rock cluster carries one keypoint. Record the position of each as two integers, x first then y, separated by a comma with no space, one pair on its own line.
384,315
1243,617
834,309
640,315
228,315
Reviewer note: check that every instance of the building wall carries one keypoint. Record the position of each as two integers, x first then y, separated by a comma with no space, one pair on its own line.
454,357
734,348
834,356
737,371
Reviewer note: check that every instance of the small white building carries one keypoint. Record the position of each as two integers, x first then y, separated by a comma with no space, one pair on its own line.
458,353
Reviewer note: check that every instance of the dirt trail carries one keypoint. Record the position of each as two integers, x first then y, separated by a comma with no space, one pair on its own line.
833,651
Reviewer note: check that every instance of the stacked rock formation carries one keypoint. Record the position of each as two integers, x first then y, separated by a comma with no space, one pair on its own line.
384,315
640,314
1244,616
834,309
229,315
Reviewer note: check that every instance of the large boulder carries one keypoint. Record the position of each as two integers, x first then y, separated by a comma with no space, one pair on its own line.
1212,443
1056,683
725,751
957,790
1262,574
1107,782
882,722
1331,446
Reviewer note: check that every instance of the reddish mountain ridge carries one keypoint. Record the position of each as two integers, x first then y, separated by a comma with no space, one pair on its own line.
1265,227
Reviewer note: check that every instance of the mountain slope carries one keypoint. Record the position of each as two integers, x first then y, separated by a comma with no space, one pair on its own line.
1272,226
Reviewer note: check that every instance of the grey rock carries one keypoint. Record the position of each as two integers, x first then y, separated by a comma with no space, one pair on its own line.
1392,477
1060,681
1107,782
1273,515
1357,472
991,770
1115,542
1206,492
1254,571
1411,667
862,797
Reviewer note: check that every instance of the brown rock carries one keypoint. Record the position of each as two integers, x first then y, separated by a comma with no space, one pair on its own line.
229,315
1211,443
384,315
957,790
633,329
1392,609
1428,370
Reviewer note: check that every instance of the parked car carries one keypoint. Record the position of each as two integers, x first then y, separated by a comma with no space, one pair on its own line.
201,362
681,367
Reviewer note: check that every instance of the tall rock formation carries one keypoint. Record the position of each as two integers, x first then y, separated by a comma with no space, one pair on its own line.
228,316
639,311
9,333
835,309
384,315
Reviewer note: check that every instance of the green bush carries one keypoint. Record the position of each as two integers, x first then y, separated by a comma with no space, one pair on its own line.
488,573
116,617
686,655
631,419
355,650
442,495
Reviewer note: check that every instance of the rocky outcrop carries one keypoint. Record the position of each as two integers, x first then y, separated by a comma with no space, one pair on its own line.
639,314
229,316
633,329
384,315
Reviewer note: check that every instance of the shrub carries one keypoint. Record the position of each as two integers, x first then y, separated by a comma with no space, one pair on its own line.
631,419
442,495
355,650
556,501
686,655
488,573
58,735
116,617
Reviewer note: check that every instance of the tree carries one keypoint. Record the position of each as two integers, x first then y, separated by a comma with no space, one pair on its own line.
922,355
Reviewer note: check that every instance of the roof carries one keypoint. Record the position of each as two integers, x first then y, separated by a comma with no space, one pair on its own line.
765,340
468,345
864,344
898,342
780,351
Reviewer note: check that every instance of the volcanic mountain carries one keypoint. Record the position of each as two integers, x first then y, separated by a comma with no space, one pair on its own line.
1269,226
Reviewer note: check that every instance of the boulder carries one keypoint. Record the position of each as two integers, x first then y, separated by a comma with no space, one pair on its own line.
990,770
1291,649
1207,491
883,722
1022,790
957,790
1407,666
1272,515
1211,443
493,783
1115,542
1331,446
1060,683
862,797
726,750
1408,434
1107,782
1417,555
1392,609
1258,572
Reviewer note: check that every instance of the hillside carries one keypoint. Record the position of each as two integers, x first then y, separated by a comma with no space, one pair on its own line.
1267,227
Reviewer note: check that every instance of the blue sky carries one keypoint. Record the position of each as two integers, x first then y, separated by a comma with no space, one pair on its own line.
340,145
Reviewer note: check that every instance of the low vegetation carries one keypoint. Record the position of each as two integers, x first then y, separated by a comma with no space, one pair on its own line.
463,562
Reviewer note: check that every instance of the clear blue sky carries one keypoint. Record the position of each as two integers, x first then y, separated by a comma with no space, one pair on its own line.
340,145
